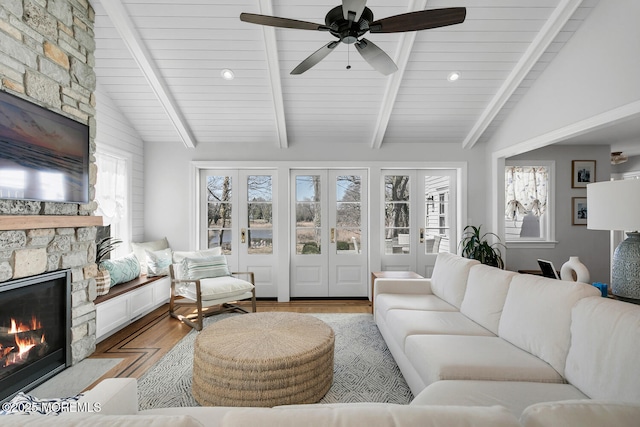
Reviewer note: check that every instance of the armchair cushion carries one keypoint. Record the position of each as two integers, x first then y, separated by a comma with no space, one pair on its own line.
217,288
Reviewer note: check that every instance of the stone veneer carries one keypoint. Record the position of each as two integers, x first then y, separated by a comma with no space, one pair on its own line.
46,57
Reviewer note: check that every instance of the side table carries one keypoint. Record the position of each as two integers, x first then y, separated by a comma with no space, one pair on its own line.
391,275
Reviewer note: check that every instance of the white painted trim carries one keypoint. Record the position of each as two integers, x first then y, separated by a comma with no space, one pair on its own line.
273,68
131,38
590,124
562,13
405,47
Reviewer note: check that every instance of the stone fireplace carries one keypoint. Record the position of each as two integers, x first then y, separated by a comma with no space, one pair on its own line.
47,58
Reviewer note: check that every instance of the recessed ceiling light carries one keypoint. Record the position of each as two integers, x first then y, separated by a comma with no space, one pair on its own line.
453,76
227,74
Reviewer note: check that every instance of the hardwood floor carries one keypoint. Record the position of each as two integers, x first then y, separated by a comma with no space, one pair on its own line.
145,341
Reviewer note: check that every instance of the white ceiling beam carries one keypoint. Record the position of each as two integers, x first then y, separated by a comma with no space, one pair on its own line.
273,67
395,80
562,13
131,38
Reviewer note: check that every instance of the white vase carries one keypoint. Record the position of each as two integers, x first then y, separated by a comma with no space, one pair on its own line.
574,271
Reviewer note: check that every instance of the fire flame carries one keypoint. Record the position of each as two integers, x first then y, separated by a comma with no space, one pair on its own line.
24,344
24,327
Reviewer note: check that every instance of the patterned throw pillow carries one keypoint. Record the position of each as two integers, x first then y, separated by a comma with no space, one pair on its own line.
24,404
180,256
138,249
158,262
122,269
200,268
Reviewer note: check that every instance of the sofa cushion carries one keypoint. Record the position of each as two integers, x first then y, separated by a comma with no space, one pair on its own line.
516,396
458,357
581,413
217,288
416,322
449,278
386,302
605,343
83,420
485,295
537,316
370,414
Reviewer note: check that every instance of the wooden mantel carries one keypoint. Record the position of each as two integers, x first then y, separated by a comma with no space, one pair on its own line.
26,222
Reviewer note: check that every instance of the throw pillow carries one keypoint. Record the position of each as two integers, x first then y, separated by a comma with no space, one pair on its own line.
140,247
122,269
24,404
158,262
200,268
179,256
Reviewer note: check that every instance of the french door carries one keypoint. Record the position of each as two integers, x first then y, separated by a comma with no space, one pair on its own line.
240,216
419,212
329,233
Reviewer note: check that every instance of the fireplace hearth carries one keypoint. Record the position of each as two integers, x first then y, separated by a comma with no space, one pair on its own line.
35,330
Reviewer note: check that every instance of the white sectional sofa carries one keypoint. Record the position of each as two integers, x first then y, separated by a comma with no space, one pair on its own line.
475,335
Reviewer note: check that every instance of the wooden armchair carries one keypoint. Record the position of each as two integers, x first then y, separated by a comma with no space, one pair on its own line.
208,292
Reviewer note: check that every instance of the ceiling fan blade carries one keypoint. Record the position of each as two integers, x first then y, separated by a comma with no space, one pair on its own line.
420,20
376,57
315,57
274,21
353,8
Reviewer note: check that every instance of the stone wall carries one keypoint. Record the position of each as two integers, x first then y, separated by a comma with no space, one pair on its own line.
46,57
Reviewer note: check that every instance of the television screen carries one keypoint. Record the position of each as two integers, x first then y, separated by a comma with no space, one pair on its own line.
44,156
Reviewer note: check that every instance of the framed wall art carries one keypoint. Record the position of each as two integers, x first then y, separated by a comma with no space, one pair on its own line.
583,172
579,211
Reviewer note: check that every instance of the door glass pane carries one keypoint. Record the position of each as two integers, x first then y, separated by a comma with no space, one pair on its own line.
348,214
260,211
308,220
437,216
219,209
396,194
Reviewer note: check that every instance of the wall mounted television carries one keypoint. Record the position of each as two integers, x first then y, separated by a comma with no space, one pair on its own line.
44,156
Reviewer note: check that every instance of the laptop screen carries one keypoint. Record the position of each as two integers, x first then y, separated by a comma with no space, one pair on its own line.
548,270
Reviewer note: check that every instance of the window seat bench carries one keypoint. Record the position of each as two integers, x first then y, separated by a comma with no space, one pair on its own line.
127,302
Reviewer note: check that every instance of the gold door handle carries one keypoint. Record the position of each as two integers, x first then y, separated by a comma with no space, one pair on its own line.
333,235
243,234
422,235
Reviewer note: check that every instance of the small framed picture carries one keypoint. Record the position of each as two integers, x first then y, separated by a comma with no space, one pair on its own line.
583,172
579,211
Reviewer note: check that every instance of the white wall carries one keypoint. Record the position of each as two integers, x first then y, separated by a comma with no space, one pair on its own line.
632,165
595,73
592,246
167,174
115,131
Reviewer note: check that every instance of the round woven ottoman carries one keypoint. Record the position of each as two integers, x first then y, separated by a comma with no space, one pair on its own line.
263,359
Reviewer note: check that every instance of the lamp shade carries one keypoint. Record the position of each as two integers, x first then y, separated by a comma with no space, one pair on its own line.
614,205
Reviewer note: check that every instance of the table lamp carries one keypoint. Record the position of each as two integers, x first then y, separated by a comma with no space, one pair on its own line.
615,205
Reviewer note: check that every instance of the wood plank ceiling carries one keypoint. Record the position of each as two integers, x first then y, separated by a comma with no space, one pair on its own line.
160,61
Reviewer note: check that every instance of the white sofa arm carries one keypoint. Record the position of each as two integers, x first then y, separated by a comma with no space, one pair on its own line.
401,286
112,396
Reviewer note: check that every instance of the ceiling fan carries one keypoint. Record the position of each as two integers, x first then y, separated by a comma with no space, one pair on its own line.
351,20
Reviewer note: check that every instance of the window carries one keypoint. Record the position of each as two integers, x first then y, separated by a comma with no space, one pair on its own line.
529,202
112,196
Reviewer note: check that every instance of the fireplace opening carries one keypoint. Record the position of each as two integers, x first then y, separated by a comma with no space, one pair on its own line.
35,330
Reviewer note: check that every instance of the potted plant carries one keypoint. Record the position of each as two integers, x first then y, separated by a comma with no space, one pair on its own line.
103,249
474,245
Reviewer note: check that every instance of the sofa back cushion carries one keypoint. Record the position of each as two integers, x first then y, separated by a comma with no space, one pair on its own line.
537,316
449,278
605,344
484,298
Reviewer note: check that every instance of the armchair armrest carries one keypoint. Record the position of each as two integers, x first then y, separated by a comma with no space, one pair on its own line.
248,274
112,396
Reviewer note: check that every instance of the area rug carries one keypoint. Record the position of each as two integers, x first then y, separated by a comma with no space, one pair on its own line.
364,370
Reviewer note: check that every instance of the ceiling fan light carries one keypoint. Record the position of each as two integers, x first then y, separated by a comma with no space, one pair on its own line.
453,76
227,74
